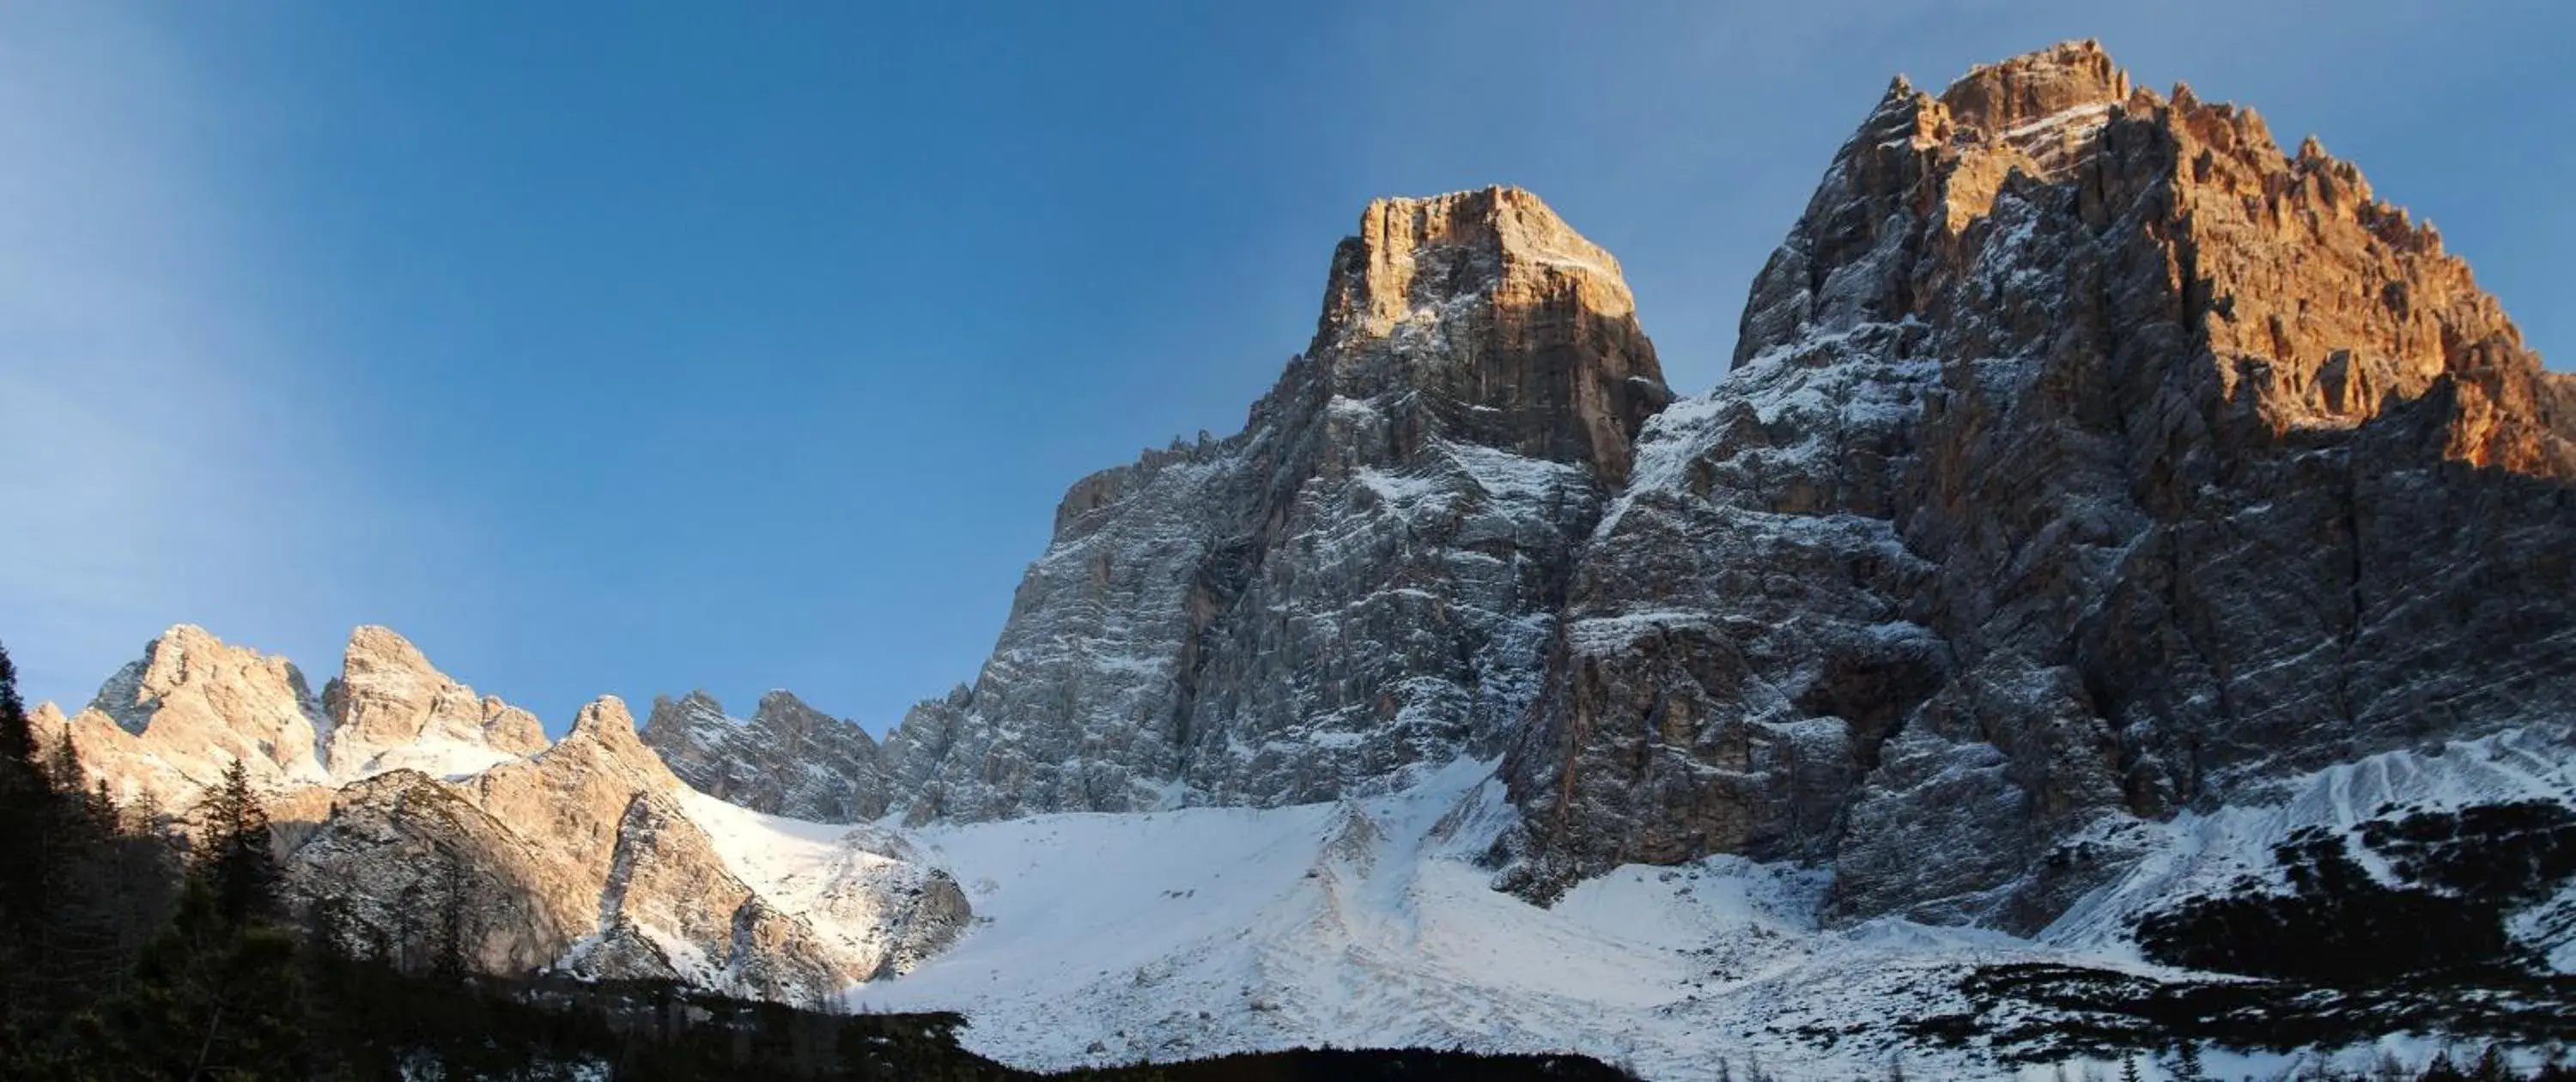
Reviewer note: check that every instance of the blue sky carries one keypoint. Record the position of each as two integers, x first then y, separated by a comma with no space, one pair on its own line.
636,348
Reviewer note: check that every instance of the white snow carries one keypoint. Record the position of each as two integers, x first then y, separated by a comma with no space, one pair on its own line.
836,876
2199,853
1202,931
436,756
1104,938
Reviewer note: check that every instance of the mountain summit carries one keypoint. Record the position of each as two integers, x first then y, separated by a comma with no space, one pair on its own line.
2114,531
1357,587
2086,458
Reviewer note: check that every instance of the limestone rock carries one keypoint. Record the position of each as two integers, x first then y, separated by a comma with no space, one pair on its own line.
2085,457
789,759
586,857
391,709
1358,586
391,849
454,813
166,726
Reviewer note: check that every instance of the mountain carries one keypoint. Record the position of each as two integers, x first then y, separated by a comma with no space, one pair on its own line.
390,709
2117,538
2086,459
166,725
2121,595
789,759
1357,588
587,856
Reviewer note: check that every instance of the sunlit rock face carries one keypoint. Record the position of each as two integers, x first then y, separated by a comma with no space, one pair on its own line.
2085,457
390,709
1359,586
169,723
447,816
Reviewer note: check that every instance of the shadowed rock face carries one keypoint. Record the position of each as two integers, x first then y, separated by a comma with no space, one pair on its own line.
789,759
2086,457
1356,587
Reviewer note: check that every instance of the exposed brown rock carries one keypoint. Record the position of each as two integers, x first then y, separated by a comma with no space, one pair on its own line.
168,725
2086,457
391,708
1353,590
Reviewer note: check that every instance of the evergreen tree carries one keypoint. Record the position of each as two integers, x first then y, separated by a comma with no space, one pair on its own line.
455,904
219,993
27,817
2187,1063
239,865
212,998
26,800
2444,1069
2492,1066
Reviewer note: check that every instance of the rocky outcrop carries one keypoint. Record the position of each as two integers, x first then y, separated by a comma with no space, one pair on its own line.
168,724
589,857
789,759
395,856
2085,458
455,826
390,709
1356,587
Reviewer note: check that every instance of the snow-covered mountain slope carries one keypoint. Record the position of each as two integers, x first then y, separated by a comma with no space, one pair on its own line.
2231,851
1103,938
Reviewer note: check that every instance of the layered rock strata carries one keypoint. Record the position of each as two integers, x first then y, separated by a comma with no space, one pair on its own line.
1357,587
2086,458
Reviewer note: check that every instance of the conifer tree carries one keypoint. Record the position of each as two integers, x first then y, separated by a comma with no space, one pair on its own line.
455,903
220,992
2492,1066
2187,1063
239,865
2444,1069
27,803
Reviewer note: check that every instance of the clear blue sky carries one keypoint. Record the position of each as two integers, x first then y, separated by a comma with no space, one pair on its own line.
635,348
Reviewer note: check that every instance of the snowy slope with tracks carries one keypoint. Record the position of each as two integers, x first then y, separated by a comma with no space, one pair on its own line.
1108,938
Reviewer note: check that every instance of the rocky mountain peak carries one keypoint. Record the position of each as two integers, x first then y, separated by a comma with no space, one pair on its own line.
186,657
780,709
2085,457
1520,334
604,725
390,709
168,723
1356,587
2320,306
695,708
588,856
1411,254
788,759
2036,86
